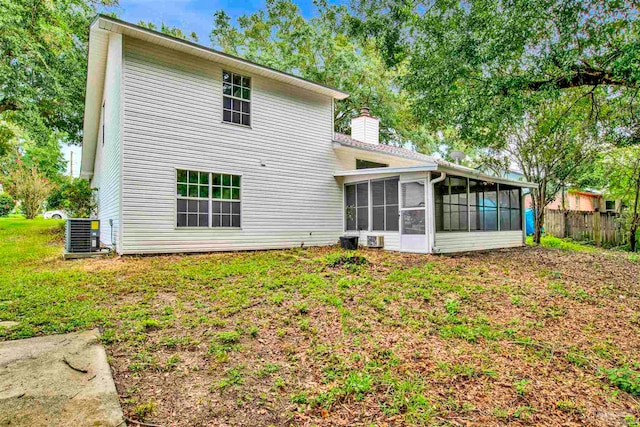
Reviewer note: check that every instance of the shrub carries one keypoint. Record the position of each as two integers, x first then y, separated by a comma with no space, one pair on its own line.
30,187
625,379
76,197
6,204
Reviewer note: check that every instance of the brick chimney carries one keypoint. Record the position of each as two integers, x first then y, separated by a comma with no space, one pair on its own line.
365,127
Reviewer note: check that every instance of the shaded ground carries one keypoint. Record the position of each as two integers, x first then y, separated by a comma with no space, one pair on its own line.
527,336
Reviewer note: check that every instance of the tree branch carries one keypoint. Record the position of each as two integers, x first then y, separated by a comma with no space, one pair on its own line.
582,76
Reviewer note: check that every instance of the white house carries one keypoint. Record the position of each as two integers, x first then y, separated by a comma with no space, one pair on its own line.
193,150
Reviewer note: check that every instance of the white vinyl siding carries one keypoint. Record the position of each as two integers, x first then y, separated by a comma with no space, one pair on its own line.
477,240
173,120
107,178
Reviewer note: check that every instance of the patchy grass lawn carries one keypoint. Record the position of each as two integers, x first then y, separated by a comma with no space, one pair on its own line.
319,336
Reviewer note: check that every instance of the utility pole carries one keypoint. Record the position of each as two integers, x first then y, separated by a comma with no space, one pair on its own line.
71,165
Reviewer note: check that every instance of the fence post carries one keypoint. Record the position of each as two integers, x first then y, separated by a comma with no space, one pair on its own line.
597,234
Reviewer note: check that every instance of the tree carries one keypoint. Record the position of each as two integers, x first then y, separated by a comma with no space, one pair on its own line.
43,49
483,65
550,150
319,49
30,187
171,31
623,166
6,204
75,196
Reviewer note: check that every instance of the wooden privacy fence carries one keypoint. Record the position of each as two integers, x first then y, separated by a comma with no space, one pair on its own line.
598,227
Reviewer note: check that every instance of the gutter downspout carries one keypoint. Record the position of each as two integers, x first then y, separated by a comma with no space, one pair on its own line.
432,209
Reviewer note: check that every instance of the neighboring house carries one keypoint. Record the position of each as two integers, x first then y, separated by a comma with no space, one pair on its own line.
195,150
580,201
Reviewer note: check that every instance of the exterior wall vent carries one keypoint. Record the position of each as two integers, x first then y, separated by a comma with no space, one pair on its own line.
82,235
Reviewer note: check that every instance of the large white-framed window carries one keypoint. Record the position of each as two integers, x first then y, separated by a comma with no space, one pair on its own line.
236,98
206,199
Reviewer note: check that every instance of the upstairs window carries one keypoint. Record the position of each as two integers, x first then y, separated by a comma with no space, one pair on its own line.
236,98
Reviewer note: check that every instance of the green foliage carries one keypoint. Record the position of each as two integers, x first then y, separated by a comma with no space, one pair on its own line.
341,259
483,65
30,187
171,31
6,204
43,48
625,379
75,196
320,49
567,244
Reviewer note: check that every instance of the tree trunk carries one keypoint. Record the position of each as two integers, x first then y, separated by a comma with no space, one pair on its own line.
538,212
635,217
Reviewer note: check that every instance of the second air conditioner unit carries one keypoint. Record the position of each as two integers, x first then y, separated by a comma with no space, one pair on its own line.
375,241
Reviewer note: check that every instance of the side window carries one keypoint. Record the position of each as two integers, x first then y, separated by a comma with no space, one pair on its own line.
236,98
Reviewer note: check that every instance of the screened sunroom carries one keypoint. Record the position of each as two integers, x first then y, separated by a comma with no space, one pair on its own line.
433,208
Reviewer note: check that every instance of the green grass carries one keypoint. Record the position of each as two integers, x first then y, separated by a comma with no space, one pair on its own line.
328,333
548,241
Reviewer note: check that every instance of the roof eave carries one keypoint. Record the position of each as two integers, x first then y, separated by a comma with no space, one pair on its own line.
385,170
472,173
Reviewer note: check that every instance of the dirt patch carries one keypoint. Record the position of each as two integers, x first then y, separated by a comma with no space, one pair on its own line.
514,337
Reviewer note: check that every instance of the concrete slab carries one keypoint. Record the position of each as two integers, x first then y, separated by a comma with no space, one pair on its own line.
82,255
59,380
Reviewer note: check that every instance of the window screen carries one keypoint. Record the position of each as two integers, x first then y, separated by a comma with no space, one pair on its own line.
236,98
357,206
483,205
510,210
451,204
384,200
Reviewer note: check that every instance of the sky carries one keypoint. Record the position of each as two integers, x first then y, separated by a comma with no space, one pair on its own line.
188,15
194,15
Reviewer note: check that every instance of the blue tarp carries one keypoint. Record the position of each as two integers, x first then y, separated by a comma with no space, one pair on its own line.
528,216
